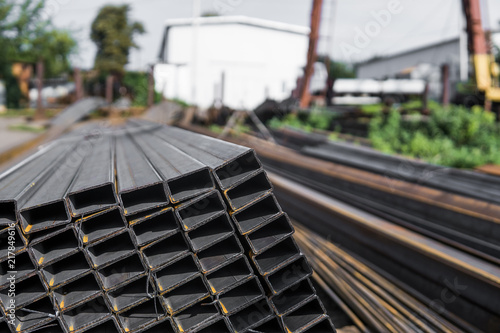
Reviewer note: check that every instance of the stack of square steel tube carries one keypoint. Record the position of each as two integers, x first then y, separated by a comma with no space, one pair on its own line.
147,228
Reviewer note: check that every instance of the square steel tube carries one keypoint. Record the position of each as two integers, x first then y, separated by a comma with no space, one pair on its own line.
165,250
196,316
305,317
276,256
216,255
251,316
25,268
66,270
100,225
256,214
110,250
185,295
293,297
292,273
141,317
77,292
85,316
174,274
230,273
270,234
248,191
209,233
154,227
121,272
200,210
55,248
131,294
240,296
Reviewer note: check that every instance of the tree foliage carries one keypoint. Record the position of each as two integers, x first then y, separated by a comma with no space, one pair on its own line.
27,36
114,35
339,70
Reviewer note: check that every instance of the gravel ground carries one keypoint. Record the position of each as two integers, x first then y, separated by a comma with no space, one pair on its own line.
8,138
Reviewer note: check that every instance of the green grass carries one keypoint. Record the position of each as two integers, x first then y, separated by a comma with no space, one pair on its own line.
26,128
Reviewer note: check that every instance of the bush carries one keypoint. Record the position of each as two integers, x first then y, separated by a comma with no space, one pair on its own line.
454,136
137,83
317,118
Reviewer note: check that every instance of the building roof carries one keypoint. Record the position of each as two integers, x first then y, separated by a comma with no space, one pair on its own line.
243,20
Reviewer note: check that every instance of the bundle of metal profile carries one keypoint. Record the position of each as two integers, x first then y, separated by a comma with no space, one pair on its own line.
125,230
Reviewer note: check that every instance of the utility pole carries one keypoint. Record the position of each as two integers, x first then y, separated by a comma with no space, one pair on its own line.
78,84
109,89
39,85
151,86
305,96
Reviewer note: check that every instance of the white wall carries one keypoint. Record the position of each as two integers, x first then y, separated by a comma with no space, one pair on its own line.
254,59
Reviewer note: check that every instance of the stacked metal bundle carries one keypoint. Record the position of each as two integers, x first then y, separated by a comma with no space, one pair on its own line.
125,230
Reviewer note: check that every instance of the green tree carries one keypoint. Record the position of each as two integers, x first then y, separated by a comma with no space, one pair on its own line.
114,35
26,36
338,70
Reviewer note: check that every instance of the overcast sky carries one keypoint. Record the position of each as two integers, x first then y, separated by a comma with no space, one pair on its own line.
413,22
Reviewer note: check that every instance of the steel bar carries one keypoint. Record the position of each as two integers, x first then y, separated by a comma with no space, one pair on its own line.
43,205
77,292
154,227
25,268
232,272
86,316
140,317
185,177
121,272
66,270
256,214
292,273
185,295
270,234
26,291
293,297
251,316
277,256
15,183
240,296
305,317
248,191
93,188
175,274
100,226
130,295
59,246
216,255
200,210
110,250
196,316
139,186
165,250
36,315
209,233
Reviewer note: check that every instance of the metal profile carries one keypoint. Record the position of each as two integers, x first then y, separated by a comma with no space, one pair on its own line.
200,210
232,272
27,291
86,316
40,236
251,316
153,227
232,163
55,248
52,327
269,234
110,250
121,272
66,270
240,296
138,217
256,214
163,325
293,297
131,294
277,256
141,317
209,233
108,326
220,326
19,241
15,182
93,188
176,273
323,326
140,187
248,191
43,205
185,295
292,273
164,251
272,325
195,317
35,315
101,225
25,268
216,255
305,317
76,293
184,176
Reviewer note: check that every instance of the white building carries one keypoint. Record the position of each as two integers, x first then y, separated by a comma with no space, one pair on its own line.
255,58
